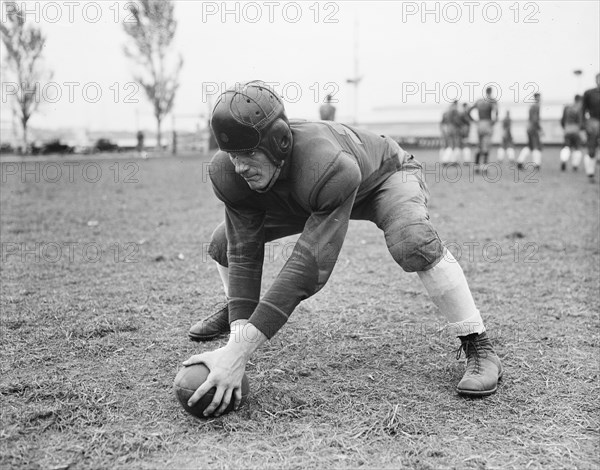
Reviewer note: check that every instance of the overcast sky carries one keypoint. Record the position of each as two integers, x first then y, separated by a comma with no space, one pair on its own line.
412,56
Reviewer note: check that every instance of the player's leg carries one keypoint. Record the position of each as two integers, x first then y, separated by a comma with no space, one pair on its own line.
399,208
526,151
593,136
501,153
536,153
217,323
486,141
565,152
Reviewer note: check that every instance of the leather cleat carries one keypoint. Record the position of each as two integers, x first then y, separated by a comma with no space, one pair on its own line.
211,327
484,368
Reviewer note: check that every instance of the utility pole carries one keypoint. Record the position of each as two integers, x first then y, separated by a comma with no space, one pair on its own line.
355,81
578,74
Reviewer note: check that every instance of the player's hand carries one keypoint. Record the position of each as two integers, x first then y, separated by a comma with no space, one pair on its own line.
227,368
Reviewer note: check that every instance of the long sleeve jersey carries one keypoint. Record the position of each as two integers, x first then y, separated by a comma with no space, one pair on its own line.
591,103
572,118
332,168
534,116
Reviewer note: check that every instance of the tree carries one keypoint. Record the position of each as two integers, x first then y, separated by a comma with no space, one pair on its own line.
24,45
152,29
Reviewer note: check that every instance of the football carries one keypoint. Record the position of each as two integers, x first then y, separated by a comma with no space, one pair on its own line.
187,382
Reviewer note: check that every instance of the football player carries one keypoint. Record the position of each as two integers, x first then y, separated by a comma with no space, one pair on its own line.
591,114
571,122
327,110
278,177
487,110
465,127
507,149
534,133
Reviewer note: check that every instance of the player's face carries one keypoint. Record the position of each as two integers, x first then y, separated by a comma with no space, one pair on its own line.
255,167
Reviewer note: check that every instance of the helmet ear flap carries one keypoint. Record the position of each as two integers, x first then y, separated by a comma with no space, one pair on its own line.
280,137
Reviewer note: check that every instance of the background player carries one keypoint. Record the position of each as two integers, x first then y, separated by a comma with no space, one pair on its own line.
327,110
465,128
534,133
487,110
571,122
507,149
591,114
451,123
277,178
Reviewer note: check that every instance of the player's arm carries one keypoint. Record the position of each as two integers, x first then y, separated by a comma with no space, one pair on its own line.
470,110
563,119
305,273
316,251
585,107
244,224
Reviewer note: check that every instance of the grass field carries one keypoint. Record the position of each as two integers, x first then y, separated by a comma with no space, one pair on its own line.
104,268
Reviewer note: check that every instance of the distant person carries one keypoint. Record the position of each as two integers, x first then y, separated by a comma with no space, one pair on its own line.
327,110
465,128
534,133
487,110
571,122
591,115
140,144
451,118
507,149
444,135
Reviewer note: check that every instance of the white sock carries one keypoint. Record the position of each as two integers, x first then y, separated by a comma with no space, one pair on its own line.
448,288
455,155
224,273
473,324
510,152
577,155
536,156
590,165
447,156
466,154
565,153
500,154
524,154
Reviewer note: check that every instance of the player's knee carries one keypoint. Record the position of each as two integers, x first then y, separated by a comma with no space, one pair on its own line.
415,246
218,245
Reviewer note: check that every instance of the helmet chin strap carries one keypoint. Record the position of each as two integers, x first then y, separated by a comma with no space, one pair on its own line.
273,179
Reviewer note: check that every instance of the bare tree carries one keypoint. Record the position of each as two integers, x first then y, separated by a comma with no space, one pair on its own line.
24,45
152,30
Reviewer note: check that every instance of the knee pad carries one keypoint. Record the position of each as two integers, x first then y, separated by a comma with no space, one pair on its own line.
415,246
218,245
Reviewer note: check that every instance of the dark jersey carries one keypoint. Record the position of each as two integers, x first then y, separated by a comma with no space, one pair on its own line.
332,168
571,117
486,108
591,103
534,116
327,112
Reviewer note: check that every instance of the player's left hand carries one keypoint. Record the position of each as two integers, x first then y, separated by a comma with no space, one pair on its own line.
227,368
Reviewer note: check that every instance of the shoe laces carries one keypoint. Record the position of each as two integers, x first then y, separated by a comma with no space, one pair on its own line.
475,348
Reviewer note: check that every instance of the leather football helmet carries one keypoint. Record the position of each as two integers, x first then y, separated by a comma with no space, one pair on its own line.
251,116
